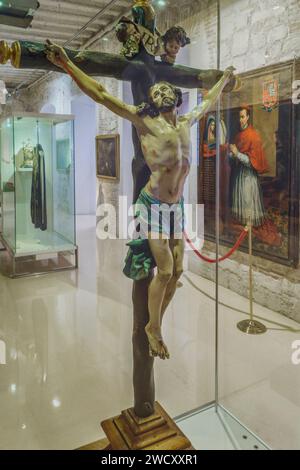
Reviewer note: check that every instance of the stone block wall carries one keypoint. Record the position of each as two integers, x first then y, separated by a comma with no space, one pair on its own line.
255,33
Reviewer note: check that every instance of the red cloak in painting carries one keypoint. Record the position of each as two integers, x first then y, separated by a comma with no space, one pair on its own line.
249,142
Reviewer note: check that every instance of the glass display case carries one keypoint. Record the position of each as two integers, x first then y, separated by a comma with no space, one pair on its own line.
247,150
38,193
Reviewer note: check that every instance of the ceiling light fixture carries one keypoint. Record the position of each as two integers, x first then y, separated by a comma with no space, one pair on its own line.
18,13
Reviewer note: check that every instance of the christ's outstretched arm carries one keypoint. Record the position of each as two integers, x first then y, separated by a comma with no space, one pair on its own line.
58,56
210,99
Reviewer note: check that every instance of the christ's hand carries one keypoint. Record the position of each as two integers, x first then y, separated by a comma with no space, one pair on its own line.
56,54
229,72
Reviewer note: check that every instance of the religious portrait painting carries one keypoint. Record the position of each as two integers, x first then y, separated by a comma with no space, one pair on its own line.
108,156
259,170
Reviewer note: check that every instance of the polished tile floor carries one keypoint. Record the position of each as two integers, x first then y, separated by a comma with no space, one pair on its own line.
68,355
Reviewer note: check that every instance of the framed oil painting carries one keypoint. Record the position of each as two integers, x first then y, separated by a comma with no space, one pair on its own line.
259,164
108,156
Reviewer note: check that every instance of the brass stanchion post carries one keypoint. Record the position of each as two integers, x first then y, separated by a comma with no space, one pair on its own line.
251,326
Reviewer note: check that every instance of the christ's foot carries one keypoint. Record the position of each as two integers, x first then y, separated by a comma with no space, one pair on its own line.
157,346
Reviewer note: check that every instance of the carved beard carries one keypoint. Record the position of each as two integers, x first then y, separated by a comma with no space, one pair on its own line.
165,108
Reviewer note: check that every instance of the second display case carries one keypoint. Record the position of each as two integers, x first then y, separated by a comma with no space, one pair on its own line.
38,193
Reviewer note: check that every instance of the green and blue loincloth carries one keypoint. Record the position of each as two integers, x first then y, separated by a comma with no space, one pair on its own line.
156,217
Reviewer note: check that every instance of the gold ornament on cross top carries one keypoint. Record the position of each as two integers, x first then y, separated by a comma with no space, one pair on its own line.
146,4
12,53
142,3
148,8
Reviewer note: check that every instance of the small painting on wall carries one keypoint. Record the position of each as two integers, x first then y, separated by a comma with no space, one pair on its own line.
108,156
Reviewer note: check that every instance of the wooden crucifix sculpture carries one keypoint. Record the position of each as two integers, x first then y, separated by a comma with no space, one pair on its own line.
137,64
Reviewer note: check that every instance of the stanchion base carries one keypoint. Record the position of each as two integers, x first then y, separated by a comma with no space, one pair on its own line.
251,327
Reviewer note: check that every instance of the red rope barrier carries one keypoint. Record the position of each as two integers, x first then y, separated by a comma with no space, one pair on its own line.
230,252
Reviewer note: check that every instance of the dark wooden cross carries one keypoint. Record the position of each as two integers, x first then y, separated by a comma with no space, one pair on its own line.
142,71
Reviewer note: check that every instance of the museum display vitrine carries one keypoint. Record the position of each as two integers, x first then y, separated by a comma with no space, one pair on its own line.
248,149
37,182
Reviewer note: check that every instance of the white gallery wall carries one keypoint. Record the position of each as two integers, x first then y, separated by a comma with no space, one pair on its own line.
84,111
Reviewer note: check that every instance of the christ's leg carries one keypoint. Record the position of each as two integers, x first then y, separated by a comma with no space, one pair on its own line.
177,249
165,266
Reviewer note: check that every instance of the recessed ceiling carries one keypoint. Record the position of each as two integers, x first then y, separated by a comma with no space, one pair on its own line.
63,21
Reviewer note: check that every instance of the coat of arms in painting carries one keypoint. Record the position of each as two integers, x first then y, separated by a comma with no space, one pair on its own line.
270,95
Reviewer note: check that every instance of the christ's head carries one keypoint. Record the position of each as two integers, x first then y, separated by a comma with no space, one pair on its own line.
165,97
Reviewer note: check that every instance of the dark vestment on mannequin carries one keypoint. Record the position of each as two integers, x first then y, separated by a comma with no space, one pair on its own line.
38,190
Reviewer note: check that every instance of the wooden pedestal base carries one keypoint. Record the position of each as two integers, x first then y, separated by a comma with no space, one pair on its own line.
157,432
103,444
